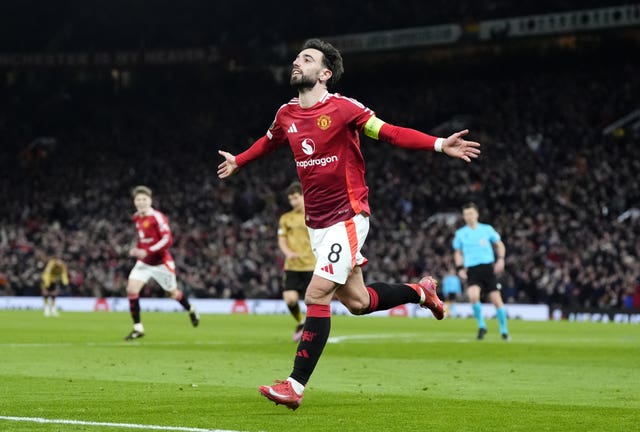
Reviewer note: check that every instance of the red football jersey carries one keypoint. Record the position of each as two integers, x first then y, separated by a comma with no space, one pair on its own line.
325,143
154,236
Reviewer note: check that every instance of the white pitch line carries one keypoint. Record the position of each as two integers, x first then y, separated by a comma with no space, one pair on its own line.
339,339
115,425
103,344
34,344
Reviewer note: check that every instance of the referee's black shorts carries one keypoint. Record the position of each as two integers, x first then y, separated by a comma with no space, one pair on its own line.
483,276
296,281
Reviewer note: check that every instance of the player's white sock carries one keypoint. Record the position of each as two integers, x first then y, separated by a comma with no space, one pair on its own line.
138,327
297,387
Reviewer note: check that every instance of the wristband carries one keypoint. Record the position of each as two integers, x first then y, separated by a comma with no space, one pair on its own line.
458,268
438,145
501,258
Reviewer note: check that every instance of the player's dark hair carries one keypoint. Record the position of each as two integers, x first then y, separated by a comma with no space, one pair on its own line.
141,190
293,188
331,58
470,205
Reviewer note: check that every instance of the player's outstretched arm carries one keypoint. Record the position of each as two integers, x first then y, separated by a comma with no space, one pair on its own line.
229,166
456,146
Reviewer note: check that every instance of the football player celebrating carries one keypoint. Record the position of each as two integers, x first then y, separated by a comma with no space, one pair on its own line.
322,130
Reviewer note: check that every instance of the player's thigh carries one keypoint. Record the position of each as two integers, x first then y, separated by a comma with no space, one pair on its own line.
496,298
134,286
473,293
479,280
50,293
165,275
354,294
337,248
139,275
320,291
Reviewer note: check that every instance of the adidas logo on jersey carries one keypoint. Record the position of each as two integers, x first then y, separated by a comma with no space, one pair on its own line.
327,269
292,128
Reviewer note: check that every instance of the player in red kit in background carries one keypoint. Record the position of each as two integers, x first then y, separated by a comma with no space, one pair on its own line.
322,130
154,260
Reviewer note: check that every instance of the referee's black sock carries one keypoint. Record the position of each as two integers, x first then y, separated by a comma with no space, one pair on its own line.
385,296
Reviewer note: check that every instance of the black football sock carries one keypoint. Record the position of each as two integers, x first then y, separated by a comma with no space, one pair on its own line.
134,308
295,312
314,337
385,296
183,300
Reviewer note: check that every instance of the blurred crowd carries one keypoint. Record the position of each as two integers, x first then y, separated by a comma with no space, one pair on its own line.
247,26
564,196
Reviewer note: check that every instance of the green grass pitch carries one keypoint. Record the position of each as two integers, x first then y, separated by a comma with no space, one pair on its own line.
376,374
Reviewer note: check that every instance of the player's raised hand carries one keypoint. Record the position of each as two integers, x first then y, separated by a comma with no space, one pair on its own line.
457,146
229,166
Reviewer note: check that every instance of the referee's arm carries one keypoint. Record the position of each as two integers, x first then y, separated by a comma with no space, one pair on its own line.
498,266
459,261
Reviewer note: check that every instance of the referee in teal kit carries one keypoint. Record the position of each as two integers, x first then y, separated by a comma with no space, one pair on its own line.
478,264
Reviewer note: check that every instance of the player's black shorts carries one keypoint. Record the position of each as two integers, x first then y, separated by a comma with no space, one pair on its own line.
296,281
53,288
483,276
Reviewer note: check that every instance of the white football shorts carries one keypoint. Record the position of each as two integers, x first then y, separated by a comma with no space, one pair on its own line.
164,274
337,248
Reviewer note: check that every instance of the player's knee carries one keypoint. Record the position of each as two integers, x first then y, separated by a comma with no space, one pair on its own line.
357,307
290,299
314,296
496,299
291,303
132,290
359,311
309,300
134,287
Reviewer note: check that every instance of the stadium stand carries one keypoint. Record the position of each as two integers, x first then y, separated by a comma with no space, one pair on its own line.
561,192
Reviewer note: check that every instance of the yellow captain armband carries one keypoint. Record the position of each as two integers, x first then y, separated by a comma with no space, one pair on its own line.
372,127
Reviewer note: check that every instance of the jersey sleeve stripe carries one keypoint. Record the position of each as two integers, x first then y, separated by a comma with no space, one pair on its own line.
160,243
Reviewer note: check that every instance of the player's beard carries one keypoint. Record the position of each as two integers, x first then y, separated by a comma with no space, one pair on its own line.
302,82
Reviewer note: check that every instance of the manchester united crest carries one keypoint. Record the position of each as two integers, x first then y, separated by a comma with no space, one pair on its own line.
323,122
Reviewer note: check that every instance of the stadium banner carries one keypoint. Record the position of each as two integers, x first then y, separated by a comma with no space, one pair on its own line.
562,22
203,55
527,312
397,39
595,315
